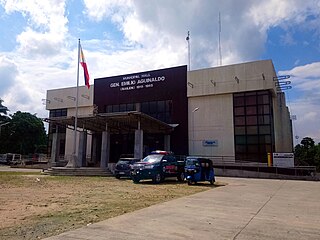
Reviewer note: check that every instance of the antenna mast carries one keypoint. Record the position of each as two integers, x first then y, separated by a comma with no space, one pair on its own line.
220,54
189,60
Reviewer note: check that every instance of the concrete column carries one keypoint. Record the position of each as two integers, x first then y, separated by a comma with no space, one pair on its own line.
55,148
82,151
138,143
105,149
167,142
94,149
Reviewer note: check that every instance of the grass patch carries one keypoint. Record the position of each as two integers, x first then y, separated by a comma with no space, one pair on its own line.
34,206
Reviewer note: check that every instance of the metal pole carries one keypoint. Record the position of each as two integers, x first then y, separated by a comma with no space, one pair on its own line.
189,55
73,161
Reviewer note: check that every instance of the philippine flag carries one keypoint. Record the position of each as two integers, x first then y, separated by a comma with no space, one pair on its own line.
85,68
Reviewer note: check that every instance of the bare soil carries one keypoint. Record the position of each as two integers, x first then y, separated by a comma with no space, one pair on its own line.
35,206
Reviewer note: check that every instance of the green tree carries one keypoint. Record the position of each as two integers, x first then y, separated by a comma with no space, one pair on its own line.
307,153
24,134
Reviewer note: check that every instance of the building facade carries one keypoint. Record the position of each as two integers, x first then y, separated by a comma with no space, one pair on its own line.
235,111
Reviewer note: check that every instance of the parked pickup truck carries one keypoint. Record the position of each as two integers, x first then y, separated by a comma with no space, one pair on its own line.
158,166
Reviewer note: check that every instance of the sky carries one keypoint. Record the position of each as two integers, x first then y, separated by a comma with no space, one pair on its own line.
39,38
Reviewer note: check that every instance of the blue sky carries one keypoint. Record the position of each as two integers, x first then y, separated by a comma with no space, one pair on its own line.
38,44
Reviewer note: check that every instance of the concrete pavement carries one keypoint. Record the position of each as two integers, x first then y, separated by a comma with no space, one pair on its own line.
243,209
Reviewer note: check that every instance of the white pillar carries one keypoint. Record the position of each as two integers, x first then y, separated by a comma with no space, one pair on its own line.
55,148
138,143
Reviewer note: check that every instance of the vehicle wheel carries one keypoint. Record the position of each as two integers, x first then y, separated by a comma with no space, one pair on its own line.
181,177
157,178
117,176
136,180
189,182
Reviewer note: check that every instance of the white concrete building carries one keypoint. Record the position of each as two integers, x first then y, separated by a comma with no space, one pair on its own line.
236,111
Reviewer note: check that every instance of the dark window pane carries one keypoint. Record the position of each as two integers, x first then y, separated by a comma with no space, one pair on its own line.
145,107
241,148
252,130
253,148
239,101
264,130
239,121
251,110
251,120
153,107
265,119
266,109
64,112
123,107
240,139
240,130
115,108
130,107
265,139
161,106
253,139
263,109
239,111
109,109
251,100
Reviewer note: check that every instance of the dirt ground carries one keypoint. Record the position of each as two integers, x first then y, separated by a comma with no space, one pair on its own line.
35,206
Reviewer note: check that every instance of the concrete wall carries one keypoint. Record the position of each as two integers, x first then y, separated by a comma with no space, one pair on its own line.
211,90
243,77
212,121
282,124
65,98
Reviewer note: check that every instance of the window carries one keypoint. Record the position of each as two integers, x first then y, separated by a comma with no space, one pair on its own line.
58,112
161,110
238,111
253,124
120,107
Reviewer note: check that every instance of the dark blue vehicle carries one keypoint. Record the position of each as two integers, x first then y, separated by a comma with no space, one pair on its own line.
124,166
199,169
158,166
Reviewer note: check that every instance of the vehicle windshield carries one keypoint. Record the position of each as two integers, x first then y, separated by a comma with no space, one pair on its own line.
154,158
192,162
126,161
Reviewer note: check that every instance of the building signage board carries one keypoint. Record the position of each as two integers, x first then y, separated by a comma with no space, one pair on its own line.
283,159
210,143
156,85
137,81
161,93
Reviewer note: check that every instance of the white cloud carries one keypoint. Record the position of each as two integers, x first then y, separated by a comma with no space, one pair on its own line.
46,29
307,123
305,103
154,37
8,73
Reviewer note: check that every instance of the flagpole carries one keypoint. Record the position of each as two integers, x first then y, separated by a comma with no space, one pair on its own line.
73,162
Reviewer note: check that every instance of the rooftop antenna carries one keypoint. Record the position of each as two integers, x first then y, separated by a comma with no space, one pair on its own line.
188,40
220,54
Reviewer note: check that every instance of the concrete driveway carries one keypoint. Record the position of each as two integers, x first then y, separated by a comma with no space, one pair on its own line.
243,209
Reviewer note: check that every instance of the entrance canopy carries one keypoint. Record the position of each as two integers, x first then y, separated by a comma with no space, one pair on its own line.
116,122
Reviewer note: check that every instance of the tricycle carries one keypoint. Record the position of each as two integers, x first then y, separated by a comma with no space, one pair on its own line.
199,169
